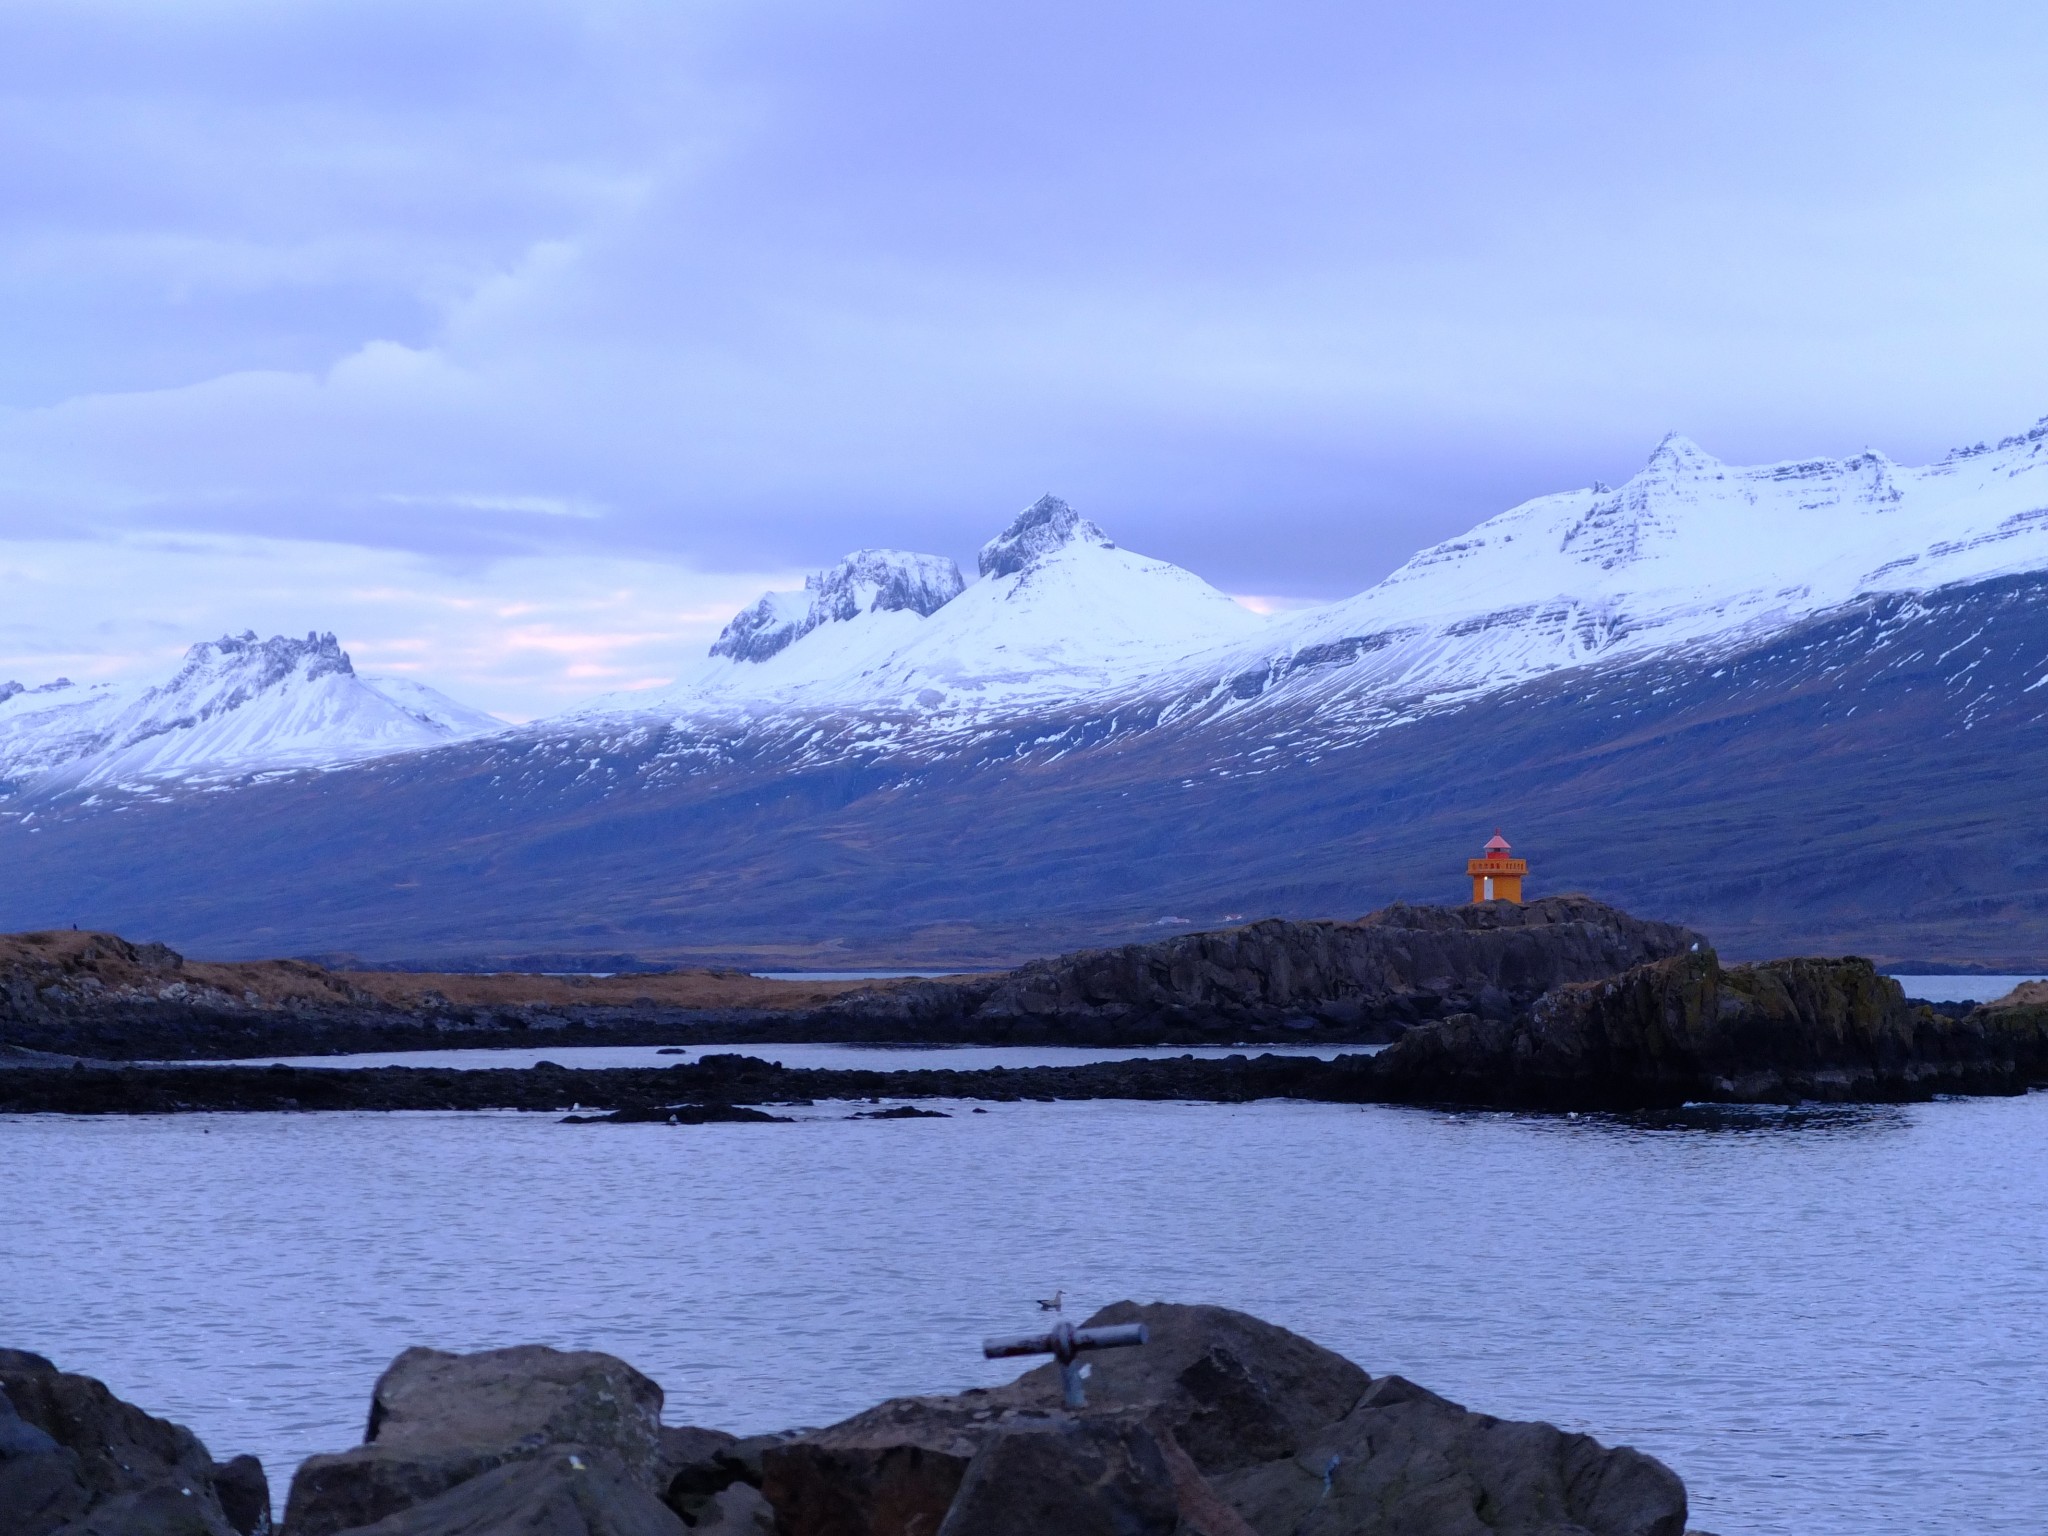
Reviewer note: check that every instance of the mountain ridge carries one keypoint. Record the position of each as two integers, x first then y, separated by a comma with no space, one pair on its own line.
1864,783
1835,738
1690,553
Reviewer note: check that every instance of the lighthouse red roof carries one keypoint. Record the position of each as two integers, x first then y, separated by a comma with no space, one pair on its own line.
1496,843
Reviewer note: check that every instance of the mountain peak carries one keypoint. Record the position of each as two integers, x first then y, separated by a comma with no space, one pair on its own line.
866,581
264,663
1046,525
234,704
1677,453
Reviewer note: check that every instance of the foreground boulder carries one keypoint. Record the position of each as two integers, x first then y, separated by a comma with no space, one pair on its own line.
1407,1461
1221,1425
441,1421
75,1458
560,1492
953,1465
1687,1029
1234,1389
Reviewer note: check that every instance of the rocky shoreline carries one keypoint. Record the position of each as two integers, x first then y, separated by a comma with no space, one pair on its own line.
1218,1424
1562,1004
1658,1036
99,996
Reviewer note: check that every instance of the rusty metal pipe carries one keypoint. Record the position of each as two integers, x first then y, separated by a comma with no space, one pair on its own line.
1065,1341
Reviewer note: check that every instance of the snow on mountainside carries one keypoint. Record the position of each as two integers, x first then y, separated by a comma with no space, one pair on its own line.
866,581
237,704
1690,551
891,652
450,718
1060,612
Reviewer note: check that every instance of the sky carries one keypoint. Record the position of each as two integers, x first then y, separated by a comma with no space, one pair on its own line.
521,344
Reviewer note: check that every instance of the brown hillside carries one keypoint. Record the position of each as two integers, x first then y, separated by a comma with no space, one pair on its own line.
68,956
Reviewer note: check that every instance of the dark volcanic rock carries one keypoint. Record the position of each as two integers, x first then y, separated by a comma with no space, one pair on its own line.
42,1484
1405,1462
1233,1388
679,1114
1686,1029
652,1094
1651,1036
738,1510
709,1477
1221,1425
1365,980
1079,1475
98,996
690,1454
438,1420
559,1492
244,1494
893,1468
75,1457
961,1465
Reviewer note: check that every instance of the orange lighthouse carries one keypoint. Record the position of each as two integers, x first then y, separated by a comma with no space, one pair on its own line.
1496,876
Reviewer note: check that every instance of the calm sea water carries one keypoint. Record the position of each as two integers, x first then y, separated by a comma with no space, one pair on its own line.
858,975
866,1058
1828,1322
1960,989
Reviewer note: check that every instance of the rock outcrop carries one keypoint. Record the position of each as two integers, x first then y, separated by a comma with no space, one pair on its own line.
1405,1460
75,1458
96,995
1234,1389
2028,994
866,581
1559,1004
1364,980
1686,1029
1660,1035
438,1420
556,1491
1221,1425
527,1441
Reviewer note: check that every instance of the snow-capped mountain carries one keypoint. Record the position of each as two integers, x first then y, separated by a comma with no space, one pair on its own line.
1060,613
867,582
892,652
1797,706
237,704
1691,552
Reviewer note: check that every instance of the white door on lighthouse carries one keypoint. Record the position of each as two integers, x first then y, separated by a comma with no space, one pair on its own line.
1489,887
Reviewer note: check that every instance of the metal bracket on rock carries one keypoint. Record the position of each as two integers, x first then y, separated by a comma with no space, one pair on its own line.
1063,1344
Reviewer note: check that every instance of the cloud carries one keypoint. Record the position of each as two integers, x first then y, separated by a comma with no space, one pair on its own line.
520,636
1278,293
